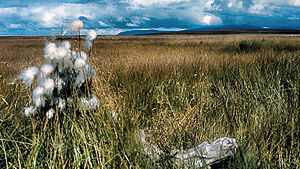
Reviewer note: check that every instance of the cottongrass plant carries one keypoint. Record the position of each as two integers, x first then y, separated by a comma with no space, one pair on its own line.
64,127
66,76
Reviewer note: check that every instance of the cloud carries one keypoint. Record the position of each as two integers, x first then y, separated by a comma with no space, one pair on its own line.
136,21
111,31
14,26
296,2
111,16
211,20
55,16
131,25
285,2
147,3
103,24
4,11
282,8
261,8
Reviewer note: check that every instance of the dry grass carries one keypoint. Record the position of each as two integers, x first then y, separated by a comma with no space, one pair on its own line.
183,89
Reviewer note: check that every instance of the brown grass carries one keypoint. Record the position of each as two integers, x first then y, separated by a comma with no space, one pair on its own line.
185,89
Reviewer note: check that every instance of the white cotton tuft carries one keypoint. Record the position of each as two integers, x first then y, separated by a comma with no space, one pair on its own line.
50,113
60,84
66,44
61,103
27,75
51,48
68,63
62,52
80,54
29,110
83,55
92,103
39,102
38,92
47,69
91,35
88,44
50,51
114,115
79,63
48,85
76,26
38,96
90,72
79,78
73,54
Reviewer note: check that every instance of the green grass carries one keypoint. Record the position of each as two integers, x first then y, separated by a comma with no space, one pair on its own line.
182,91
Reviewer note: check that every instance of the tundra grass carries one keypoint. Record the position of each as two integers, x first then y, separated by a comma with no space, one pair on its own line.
182,90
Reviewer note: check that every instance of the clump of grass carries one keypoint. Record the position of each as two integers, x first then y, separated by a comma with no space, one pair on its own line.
65,77
62,112
256,102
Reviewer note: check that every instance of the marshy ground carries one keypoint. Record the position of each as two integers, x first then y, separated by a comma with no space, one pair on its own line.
181,89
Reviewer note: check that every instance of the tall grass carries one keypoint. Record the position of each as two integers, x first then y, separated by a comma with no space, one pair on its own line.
182,90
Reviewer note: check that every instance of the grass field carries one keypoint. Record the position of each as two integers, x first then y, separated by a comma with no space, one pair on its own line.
181,89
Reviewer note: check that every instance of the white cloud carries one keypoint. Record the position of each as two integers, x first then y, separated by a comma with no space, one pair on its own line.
53,16
208,4
14,26
267,7
137,21
103,24
235,4
295,2
8,11
225,5
284,2
131,25
153,2
136,14
258,8
112,31
211,20
120,18
56,16
230,4
294,18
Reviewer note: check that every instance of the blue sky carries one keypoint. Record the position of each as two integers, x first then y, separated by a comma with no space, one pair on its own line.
41,17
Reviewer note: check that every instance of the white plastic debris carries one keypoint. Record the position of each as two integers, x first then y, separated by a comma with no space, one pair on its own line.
204,154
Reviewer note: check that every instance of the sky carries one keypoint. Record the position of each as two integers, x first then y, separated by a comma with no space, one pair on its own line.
108,17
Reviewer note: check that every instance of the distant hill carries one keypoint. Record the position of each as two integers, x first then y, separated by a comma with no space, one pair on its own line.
224,29
140,32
